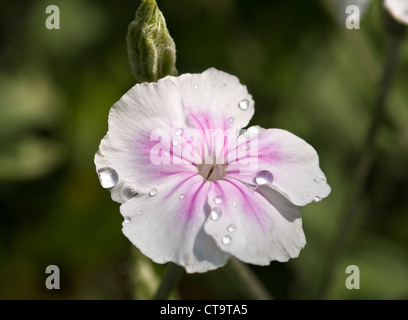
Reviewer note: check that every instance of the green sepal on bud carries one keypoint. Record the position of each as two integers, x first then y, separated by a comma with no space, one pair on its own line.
151,50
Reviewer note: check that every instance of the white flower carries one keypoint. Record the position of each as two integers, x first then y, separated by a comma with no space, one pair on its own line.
205,193
398,9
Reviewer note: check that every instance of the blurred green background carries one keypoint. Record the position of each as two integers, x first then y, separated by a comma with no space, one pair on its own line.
307,73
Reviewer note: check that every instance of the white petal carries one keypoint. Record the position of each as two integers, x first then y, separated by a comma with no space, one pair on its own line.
256,226
171,106
169,226
213,100
293,163
398,10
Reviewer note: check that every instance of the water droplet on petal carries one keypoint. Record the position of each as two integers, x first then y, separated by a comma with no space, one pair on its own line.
264,177
218,200
231,228
234,203
244,104
128,193
178,132
182,196
175,142
108,177
139,213
226,240
127,219
224,85
252,132
321,179
317,199
215,213
153,192
231,119
196,86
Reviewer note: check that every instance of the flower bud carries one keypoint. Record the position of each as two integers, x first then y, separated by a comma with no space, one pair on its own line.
151,50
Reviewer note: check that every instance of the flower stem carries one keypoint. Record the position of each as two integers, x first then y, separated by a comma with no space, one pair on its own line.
366,159
171,278
247,281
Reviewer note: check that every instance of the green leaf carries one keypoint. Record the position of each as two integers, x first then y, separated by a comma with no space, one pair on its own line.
151,50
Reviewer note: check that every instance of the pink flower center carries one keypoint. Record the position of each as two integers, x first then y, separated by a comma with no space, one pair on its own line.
212,172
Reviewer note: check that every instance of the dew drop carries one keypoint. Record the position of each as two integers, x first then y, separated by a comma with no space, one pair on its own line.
264,177
178,132
318,180
127,219
182,196
218,200
231,119
317,199
234,203
252,132
224,85
175,142
128,193
139,213
153,192
231,228
108,177
244,104
215,213
226,240
196,86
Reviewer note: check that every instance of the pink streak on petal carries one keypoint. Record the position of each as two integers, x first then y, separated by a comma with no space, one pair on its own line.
143,152
195,120
203,121
192,175
267,152
192,208
194,196
246,198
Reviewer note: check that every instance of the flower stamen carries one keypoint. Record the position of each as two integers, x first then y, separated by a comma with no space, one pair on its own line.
212,172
